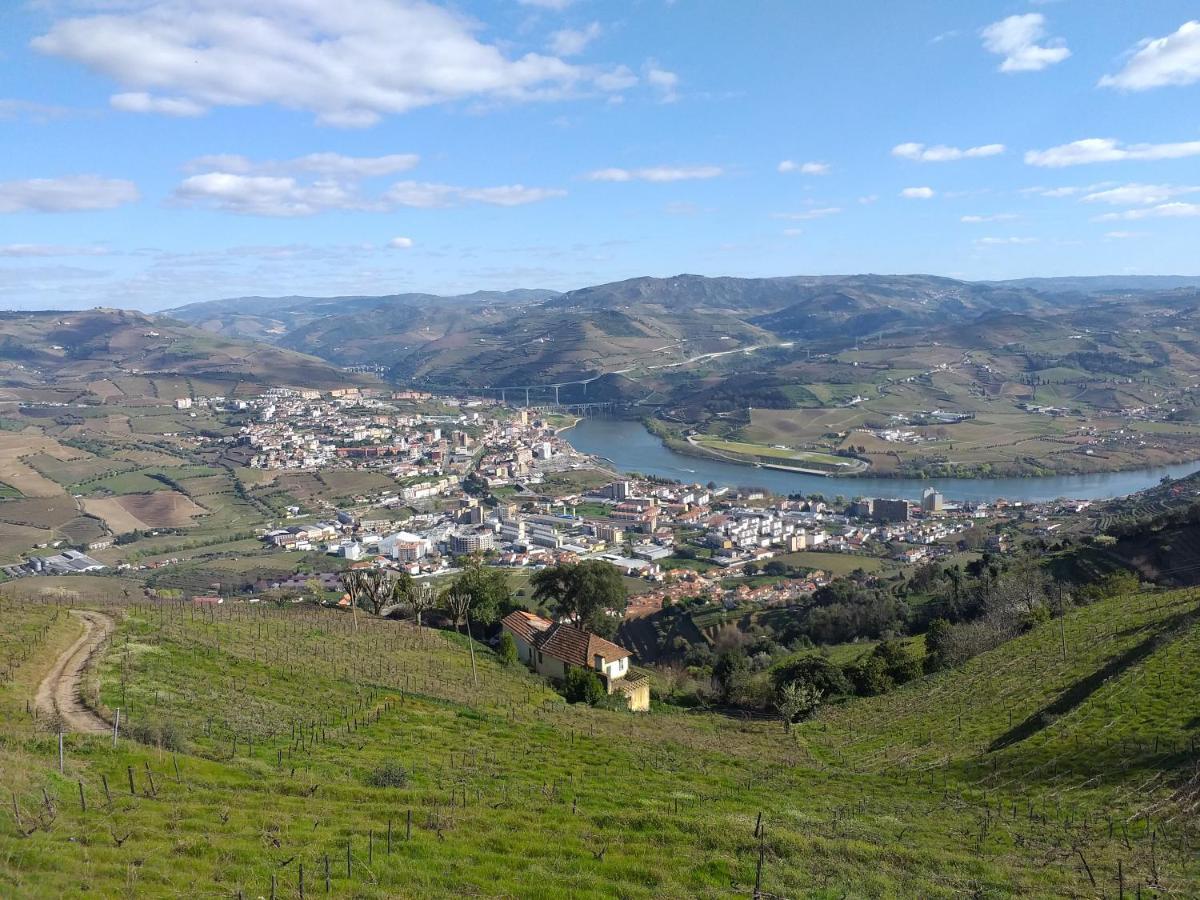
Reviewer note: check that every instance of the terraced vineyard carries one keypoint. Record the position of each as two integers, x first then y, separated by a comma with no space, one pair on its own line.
382,758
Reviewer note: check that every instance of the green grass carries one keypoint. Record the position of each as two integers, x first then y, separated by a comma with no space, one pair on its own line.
833,563
509,787
774,453
8,492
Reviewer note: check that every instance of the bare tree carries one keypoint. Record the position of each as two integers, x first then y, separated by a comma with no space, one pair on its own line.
369,588
420,600
458,603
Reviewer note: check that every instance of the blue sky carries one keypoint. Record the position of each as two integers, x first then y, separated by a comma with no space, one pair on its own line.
158,153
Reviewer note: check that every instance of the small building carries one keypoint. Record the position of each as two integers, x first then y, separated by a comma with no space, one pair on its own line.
554,648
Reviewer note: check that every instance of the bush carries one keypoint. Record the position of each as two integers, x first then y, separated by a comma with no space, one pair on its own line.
583,686
507,649
165,735
816,671
389,775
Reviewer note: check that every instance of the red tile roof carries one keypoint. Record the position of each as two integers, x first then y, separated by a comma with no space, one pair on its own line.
525,625
577,647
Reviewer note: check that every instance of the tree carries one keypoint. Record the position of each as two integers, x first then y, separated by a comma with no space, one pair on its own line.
730,673
900,665
403,587
775,567
368,588
507,649
937,640
583,592
870,677
816,671
420,600
484,591
583,686
797,700
314,587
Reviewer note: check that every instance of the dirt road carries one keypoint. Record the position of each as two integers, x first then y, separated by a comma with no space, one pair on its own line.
59,690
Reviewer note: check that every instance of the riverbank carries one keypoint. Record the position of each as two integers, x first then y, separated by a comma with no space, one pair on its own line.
1023,468
630,447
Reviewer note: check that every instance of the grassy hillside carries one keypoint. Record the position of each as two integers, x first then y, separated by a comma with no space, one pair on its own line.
270,734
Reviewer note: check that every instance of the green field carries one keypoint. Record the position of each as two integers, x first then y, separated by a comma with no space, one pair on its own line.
775,453
268,733
833,563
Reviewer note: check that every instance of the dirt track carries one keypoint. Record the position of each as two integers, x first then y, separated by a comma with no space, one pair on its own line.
59,690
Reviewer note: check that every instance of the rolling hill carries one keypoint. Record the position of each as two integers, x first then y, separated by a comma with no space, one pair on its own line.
1060,764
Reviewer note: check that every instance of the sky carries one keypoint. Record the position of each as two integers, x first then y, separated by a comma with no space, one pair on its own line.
161,152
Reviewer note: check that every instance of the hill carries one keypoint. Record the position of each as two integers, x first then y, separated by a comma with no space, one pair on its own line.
1060,764
50,354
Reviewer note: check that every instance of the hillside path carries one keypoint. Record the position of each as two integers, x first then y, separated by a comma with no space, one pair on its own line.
59,690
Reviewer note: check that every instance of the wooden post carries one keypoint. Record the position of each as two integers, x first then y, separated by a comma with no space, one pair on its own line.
389,838
408,827
327,878
60,753
301,881
107,795
82,800
347,857
132,792
471,647
116,726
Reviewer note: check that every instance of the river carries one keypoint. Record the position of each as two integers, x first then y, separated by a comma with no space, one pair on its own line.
632,448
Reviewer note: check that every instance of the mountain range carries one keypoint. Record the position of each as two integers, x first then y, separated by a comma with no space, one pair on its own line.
662,327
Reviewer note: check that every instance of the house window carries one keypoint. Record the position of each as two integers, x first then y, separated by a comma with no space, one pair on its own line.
539,656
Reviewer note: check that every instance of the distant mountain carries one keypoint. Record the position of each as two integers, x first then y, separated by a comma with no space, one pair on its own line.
656,329
1092,284
271,318
85,348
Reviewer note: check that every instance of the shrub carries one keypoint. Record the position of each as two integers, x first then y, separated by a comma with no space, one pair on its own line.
816,671
389,775
583,686
507,649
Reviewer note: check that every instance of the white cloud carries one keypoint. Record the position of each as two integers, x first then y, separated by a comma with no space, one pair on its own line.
1123,235
140,102
349,64
41,251
400,243
11,108
1139,194
1176,210
573,41
656,173
942,153
334,165
793,232
420,195
665,82
286,196
808,214
1004,241
1099,150
1020,40
509,194
868,199
917,193
1157,62
264,195
805,168
74,193
997,217
547,4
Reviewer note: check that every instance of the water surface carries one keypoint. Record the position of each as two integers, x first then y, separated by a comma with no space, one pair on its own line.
632,448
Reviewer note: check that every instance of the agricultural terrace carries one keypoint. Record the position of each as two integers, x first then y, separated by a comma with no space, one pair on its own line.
281,747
